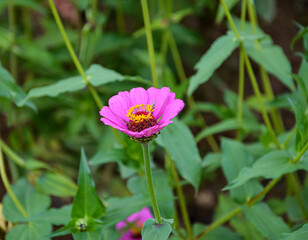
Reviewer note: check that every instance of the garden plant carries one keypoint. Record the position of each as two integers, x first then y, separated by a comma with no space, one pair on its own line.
117,121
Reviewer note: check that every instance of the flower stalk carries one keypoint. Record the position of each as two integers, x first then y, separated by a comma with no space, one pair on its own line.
148,174
7,186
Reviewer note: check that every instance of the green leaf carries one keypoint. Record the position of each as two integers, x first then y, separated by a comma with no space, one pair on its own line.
33,202
9,89
56,184
30,231
152,231
221,12
234,158
245,228
164,195
219,51
300,234
56,216
223,126
86,202
273,59
180,144
97,75
272,228
270,166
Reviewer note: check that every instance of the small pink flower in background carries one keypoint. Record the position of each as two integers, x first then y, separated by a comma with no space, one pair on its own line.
141,113
131,228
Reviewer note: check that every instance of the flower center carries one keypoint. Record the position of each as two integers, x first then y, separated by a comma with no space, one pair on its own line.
140,117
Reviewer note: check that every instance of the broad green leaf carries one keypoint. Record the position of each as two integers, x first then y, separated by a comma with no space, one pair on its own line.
151,231
9,89
56,216
272,228
221,12
273,59
219,51
96,74
235,157
303,72
56,184
218,233
270,166
180,144
164,195
33,202
223,126
300,234
86,202
30,231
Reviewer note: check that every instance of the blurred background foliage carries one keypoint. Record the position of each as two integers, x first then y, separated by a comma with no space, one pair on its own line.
47,127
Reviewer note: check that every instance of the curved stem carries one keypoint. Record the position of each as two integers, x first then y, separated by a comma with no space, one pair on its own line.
78,65
301,153
12,155
181,198
147,25
148,173
73,54
8,187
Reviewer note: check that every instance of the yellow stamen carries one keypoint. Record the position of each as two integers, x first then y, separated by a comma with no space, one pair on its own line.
137,118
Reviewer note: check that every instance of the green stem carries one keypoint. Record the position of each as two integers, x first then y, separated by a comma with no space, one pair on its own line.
80,69
73,55
296,187
176,57
12,155
230,20
259,97
148,173
241,70
8,187
219,222
12,26
147,25
94,10
301,153
241,89
181,198
120,17
275,115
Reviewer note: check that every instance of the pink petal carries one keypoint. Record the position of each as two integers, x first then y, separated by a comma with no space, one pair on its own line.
138,96
107,113
160,97
172,110
114,125
119,105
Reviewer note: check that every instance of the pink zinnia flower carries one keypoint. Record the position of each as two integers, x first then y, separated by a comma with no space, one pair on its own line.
141,113
131,228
